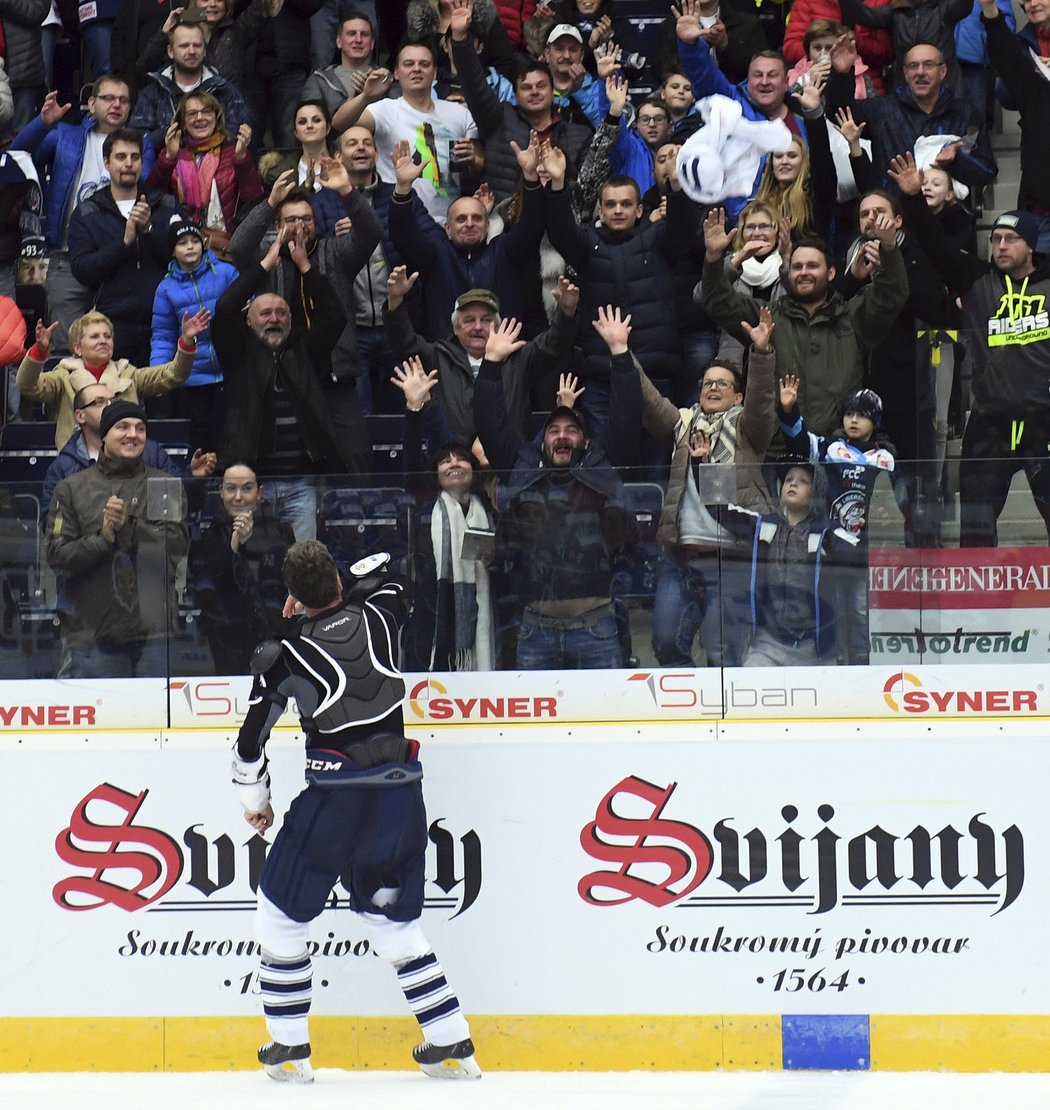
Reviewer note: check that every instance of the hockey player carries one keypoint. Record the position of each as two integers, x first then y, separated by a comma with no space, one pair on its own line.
360,819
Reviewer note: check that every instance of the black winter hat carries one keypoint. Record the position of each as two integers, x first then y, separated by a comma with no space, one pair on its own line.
119,410
867,403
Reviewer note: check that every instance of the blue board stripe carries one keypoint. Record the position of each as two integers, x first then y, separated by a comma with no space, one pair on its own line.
826,1042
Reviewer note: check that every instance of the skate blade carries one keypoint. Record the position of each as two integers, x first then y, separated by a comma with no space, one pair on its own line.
466,1068
292,1071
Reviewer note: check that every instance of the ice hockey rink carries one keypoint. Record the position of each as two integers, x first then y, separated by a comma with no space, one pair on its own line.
529,1090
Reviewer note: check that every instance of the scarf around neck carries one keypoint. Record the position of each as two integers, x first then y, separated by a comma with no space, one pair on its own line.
762,272
195,170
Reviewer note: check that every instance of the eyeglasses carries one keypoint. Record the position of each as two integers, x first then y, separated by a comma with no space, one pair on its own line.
297,220
196,113
758,227
113,98
99,402
912,67
1006,238
716,383
652,119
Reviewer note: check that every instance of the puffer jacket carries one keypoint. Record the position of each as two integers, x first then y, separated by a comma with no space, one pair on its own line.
238,183
828,350
513,14
12,332
189,291
118,593
499,123
874,45
21,21
62,148
57,387
630,269
753,423
160,96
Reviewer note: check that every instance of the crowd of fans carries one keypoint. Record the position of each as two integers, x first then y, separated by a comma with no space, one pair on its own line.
275,218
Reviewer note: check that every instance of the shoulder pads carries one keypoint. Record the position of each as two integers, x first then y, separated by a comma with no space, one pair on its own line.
264,656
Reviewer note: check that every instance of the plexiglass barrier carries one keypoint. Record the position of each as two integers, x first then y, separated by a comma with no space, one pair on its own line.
542,571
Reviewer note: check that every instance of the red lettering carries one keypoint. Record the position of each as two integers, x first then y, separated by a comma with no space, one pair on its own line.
968,700
465,705
7,713
492,707
997,701
914,701
83,714
58,714
440,708
203,699
517,707
33,715
1025,699
663,682
547,707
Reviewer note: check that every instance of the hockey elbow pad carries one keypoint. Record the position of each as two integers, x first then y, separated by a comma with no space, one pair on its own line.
252,781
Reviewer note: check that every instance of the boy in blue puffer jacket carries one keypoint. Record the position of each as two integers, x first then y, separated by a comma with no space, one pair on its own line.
195,279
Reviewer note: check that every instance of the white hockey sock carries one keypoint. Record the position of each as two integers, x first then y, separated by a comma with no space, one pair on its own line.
432,1000
286,985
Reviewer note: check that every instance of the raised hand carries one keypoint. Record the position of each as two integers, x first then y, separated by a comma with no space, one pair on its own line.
173,140
529,158
812,94
553,159
788,392
715,36
414,382
194,325
334,175
885,230
459,19
687,20
762,332
606,59
716,238
844,53
114,517
905,174
398,285
849,129
484,194
44,333
614,328
343,226
51,111
377,84
503,340
406,171
569,390
172,21
138,220
244,137
297,249
281,188
567,295
243,526
616,91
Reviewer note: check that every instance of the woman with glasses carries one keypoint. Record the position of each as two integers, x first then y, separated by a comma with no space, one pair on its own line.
211,176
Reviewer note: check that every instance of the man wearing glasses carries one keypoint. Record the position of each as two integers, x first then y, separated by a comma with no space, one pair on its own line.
69,159
926,105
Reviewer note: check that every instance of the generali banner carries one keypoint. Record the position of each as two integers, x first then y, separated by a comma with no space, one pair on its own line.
972,605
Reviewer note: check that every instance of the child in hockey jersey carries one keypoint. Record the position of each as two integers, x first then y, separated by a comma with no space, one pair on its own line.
852,458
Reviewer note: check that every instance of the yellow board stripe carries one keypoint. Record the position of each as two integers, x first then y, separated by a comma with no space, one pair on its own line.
619,1042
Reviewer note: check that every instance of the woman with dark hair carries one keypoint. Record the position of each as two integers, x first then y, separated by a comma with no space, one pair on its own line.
210,176
451,627
312,125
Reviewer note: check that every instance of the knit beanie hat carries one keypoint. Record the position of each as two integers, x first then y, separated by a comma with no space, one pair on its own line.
119,410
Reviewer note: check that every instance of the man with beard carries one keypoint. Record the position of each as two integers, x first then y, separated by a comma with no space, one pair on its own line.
563,522
278,418
823,339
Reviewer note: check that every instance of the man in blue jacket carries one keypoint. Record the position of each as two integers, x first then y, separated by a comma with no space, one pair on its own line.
69,158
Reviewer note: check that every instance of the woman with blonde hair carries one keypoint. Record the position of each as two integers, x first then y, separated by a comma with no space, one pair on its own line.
91,338
211,176
785,186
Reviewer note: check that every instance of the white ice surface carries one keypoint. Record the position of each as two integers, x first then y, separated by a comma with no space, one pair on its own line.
529,1091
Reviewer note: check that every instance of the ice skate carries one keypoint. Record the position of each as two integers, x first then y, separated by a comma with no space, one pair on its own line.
287,1063
455,1061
